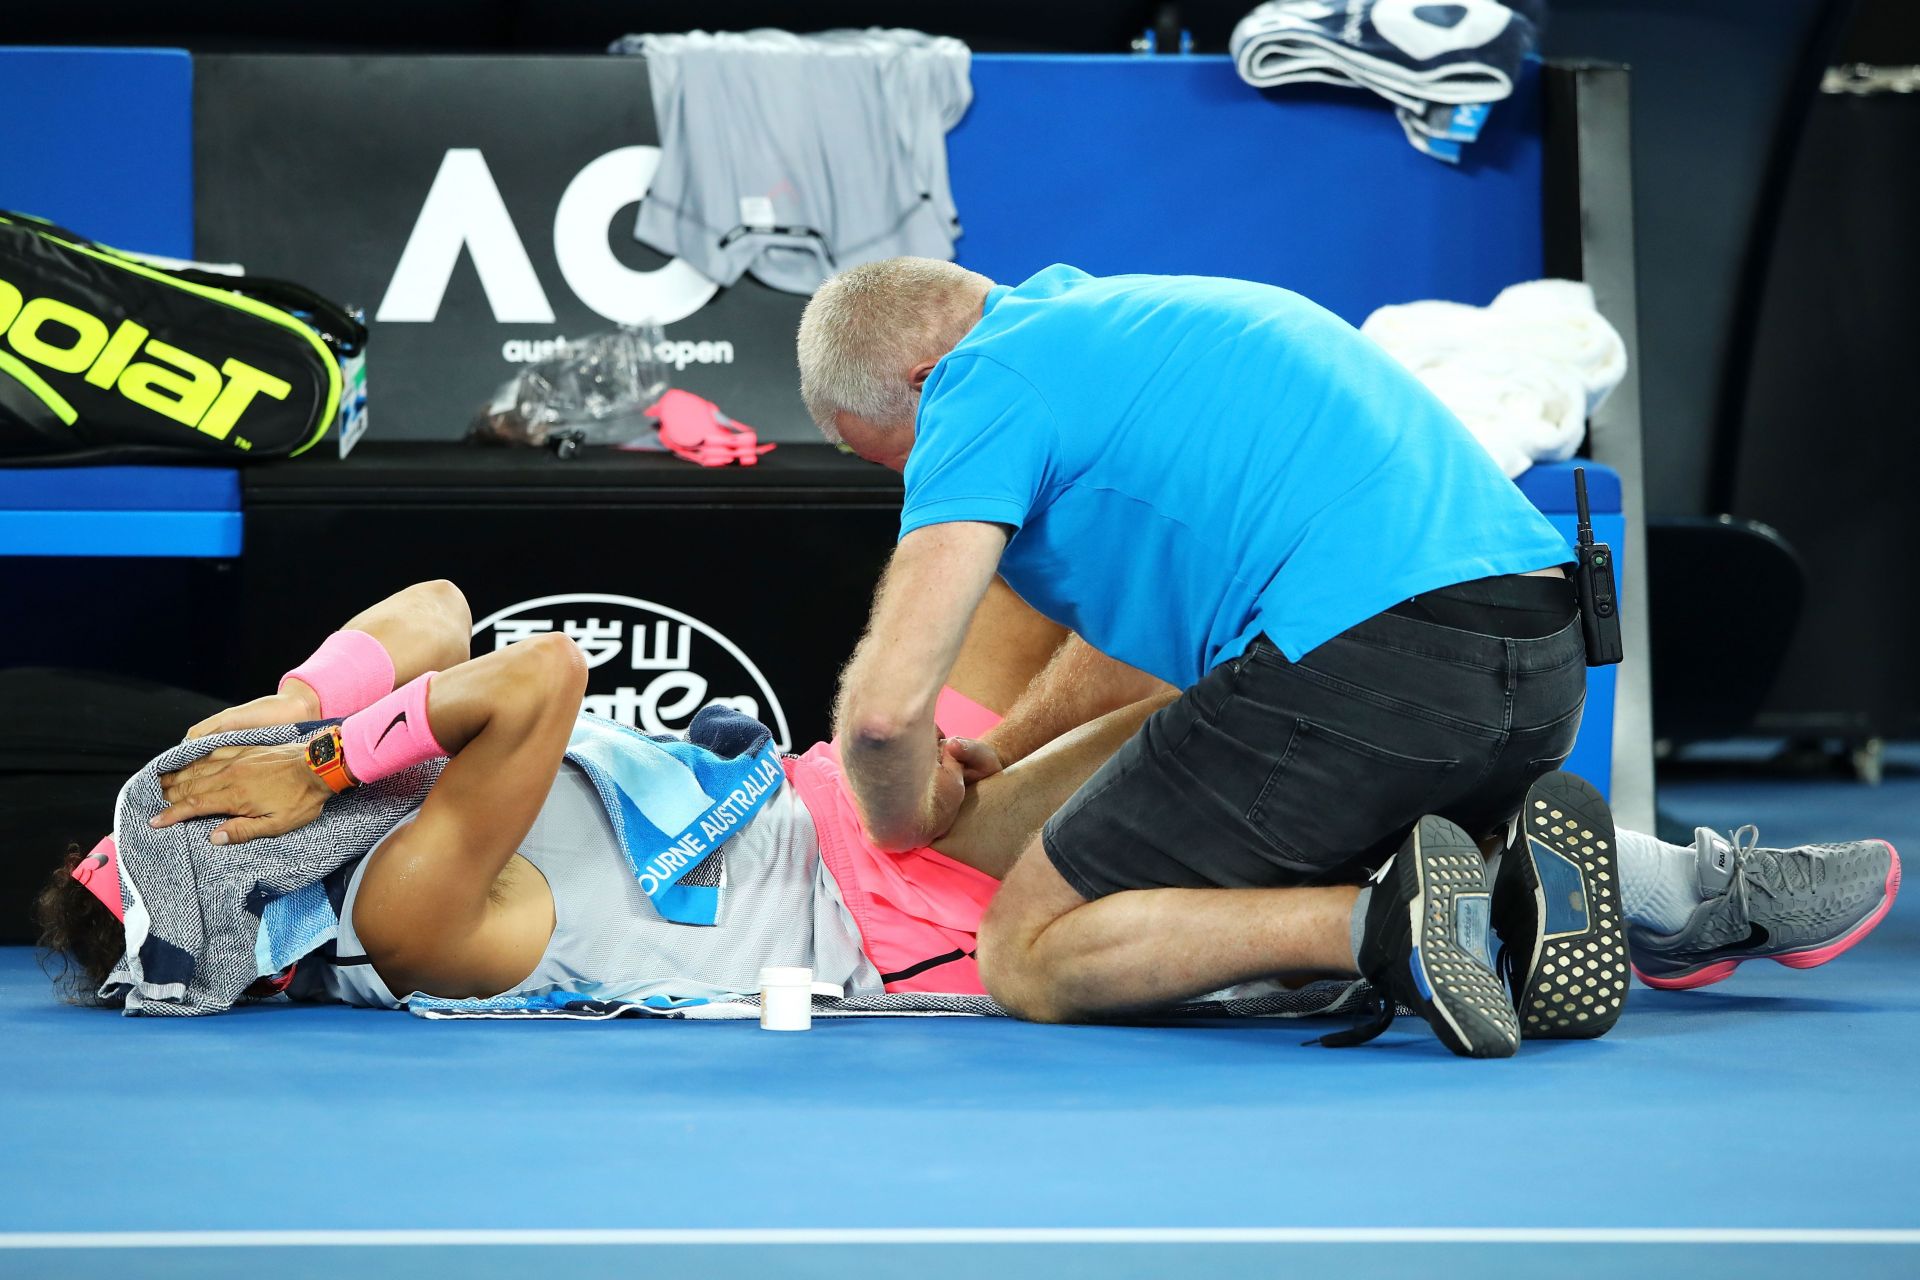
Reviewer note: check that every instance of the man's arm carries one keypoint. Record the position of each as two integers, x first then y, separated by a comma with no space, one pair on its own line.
1078,686
476,710
1008,644
906,789
426,911
424,627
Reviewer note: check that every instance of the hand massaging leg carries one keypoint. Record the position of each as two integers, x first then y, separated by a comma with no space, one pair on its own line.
1001,814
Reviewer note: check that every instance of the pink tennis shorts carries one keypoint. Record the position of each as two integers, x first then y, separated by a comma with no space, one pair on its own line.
918,912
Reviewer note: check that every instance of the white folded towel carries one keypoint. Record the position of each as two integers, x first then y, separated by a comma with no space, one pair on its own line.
1559,319
1523,374
1523,409
1420,333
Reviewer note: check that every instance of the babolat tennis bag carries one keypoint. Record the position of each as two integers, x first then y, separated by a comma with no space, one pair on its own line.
106,356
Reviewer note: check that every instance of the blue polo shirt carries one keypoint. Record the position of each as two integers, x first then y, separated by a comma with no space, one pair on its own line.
1188,462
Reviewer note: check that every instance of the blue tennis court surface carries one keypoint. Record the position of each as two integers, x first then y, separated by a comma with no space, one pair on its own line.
1768,1126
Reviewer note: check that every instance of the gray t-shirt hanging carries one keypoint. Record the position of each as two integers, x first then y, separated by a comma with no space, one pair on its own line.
794,157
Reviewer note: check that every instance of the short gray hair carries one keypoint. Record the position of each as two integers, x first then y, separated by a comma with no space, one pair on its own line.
866,328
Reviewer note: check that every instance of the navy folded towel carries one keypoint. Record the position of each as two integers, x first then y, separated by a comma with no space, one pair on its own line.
1440,64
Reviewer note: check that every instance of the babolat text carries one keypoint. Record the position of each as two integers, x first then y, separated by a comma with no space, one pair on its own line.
173,383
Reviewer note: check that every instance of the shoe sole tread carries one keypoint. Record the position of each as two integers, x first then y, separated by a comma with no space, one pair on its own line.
1576,981
1471,1012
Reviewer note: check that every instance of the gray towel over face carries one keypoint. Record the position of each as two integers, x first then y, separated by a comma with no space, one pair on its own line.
193,908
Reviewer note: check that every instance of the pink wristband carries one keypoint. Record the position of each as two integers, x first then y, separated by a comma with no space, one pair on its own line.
349,671
391,735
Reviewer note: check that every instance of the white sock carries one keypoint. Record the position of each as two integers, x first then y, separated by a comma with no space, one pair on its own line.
1659,882
1357,923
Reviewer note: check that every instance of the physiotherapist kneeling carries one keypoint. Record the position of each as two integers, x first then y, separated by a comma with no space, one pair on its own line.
1222,486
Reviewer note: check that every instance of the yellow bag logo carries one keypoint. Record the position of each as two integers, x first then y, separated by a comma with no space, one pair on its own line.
173,383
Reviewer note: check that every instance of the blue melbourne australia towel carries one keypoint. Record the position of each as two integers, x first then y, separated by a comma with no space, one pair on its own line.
1442,64
674,802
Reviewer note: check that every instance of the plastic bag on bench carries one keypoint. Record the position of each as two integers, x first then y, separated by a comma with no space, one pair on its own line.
595,391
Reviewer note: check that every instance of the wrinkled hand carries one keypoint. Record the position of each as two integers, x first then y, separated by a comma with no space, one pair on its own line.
977,759
961,763
296,704
267,791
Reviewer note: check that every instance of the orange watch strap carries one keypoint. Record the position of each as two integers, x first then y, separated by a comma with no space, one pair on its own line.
334,771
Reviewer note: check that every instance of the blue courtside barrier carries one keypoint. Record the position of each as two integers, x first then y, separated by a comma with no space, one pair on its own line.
1112,163
120,511
101,141
1121,164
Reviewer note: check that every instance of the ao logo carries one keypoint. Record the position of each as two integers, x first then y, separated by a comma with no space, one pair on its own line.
650,667
463,209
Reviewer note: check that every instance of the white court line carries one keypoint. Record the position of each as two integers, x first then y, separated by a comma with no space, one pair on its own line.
959,1235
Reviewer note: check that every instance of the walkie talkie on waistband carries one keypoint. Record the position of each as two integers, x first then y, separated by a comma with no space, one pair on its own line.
1593,584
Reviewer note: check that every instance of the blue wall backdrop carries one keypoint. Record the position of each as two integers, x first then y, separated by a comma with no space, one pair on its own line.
101,141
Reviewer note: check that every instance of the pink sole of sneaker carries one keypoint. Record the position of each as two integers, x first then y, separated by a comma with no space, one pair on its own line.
1808,959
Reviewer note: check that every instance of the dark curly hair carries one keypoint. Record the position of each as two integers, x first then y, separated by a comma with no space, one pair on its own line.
80,941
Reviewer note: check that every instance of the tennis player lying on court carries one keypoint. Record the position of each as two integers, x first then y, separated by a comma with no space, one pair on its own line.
512,877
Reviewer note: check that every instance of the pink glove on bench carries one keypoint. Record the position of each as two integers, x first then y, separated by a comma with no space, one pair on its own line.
696,430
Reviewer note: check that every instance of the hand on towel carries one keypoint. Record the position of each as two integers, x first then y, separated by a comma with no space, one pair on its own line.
263,791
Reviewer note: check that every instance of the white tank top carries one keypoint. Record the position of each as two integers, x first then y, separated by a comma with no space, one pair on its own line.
779,907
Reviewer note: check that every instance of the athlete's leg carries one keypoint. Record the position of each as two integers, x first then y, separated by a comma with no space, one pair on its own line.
1007,645
1049,955
1130,951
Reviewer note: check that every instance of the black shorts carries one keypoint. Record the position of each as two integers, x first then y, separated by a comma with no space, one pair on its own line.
1269,772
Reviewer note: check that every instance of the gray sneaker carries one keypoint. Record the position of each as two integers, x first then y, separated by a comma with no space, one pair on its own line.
1800,907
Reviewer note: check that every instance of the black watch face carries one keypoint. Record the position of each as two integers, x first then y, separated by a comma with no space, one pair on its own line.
321,751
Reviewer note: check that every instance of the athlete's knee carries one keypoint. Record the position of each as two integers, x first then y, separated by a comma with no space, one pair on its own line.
1012,972
1027,997
451,603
